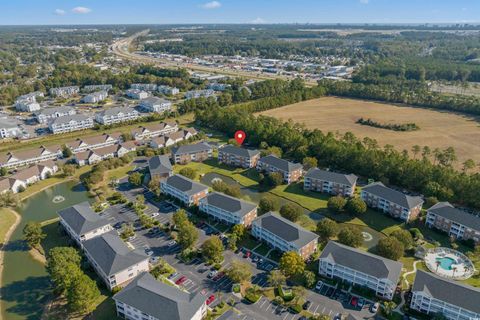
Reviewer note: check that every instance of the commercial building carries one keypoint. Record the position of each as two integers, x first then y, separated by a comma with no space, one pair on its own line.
137,94
457,223
238,157
154,130
284,235
160,167
432,294
48,114
146,298
115,263
14,159
64,92
395,203
291,171
192,152
71,123
155,104
95,97
228,209
330,182
82,223
360,268
116,115
186,190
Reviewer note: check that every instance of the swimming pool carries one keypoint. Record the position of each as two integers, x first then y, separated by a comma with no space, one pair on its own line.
446,263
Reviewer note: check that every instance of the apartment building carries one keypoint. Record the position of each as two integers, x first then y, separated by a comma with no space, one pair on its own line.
155,104
194,94
64,92
154,130
457,223
71,123
114,262
48,114
160,167
291,171
96,155
97,87
14,159
82,223
330,182
168,90
186,190
228,209
395,203
432,294
26,106
238,157
360,268
144,86
137,94
197,152
146,298
11,184
9,128
116,115
94,142
95,97
30,97
218,86
37,172
284,235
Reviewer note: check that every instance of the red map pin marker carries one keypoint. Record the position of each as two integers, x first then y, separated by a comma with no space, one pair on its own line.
240,136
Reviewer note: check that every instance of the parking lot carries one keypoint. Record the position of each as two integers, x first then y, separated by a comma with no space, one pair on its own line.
196,276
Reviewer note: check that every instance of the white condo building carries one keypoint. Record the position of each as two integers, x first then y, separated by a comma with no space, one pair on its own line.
71,123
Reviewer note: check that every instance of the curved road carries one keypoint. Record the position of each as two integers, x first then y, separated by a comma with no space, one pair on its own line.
121,49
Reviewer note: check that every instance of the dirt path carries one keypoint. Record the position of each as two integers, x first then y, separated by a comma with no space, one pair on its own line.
5,241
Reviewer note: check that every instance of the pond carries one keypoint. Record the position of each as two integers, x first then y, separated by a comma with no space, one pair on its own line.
25,282
370,236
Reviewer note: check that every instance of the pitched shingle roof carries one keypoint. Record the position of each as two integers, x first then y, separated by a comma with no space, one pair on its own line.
240,152
281,164
362,261
111,254
185,185
449,291
192,148
380,190
233,205
446,210
159,165
50,111
345,179
82,219
160,300
116,110
66,119
285,229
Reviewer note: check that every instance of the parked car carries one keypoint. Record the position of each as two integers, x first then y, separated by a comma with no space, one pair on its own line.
374,307
172,243
218,276
210,299
212,274
181,280
155,214
354,301
319,285
132,238
149,252
247,254
173,275
255,259
306,305
361,302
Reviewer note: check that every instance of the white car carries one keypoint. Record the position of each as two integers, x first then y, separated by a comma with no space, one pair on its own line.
319,285
172,243
155,214
374,307
212,274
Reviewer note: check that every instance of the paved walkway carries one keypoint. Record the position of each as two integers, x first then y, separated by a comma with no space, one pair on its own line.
402,295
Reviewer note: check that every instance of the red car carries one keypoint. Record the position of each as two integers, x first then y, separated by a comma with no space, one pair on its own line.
181,280
354,301
247,254
218,276
210,299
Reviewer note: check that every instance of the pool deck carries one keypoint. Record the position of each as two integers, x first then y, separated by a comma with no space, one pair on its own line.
459,268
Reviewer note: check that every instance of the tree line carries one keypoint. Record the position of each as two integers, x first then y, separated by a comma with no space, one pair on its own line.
389,126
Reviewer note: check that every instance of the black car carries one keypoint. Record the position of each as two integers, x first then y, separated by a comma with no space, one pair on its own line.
118,225
306,305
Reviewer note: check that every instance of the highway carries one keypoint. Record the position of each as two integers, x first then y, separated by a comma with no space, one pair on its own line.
121,49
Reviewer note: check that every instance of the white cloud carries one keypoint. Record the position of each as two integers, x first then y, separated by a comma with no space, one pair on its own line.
81,10
364,1
59,12
211,5
258,21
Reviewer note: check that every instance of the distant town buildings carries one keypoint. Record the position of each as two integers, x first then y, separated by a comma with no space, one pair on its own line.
218,86
137,94
194,94
64,92
168,90
144,86
284,235
330,182
155,104
291,171
390,201
238,157
47,114
116,115
97,87
71,123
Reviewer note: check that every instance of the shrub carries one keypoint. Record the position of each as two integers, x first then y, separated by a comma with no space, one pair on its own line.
336,204
252,296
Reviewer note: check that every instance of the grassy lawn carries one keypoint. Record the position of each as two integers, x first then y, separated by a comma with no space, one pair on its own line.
7,219
118,173
263,249
248,242
313,201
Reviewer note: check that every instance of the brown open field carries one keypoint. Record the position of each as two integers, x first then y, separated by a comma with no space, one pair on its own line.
437,129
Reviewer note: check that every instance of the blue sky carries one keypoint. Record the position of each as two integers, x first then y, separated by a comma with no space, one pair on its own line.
236,11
